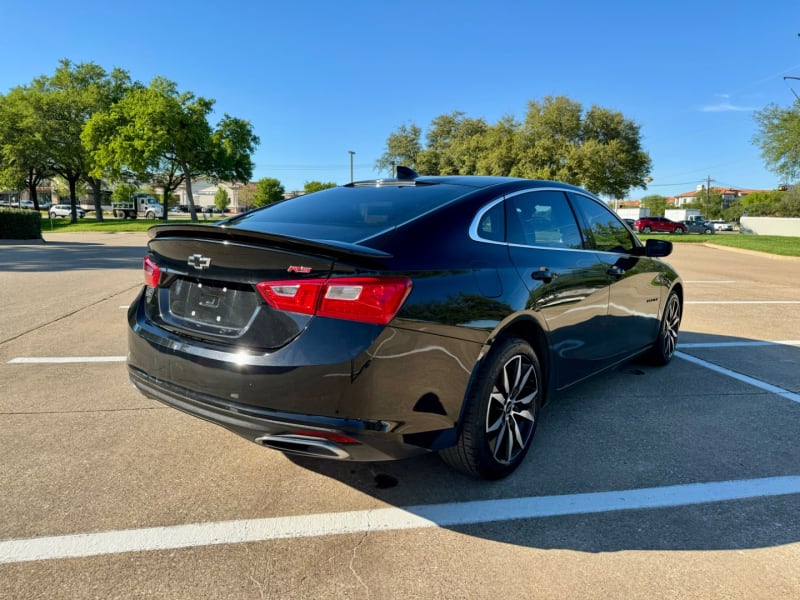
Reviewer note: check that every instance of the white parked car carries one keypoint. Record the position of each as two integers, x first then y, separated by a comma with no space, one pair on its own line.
721,225
64,210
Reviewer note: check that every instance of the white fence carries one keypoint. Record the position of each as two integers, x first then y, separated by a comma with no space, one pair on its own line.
770,226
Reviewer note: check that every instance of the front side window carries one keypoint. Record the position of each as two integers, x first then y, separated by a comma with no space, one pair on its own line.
606,232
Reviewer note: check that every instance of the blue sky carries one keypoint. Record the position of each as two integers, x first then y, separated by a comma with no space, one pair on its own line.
317,79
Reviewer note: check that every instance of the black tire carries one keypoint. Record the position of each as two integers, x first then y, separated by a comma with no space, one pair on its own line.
667,341
504,399
646,229
707,231
680,230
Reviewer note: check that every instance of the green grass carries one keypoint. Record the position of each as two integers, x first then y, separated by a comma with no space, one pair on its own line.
111,224
769,244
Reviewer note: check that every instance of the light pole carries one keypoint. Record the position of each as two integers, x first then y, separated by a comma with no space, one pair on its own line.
351,164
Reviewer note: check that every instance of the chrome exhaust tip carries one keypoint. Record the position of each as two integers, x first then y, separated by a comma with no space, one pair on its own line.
304,445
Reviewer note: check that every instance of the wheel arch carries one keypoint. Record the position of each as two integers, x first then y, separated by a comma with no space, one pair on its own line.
527,328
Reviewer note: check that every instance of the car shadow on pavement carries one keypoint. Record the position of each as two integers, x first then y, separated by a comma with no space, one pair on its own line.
635,427
69,256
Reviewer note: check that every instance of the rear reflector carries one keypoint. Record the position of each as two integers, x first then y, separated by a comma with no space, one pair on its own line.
365,299
338,438
152,274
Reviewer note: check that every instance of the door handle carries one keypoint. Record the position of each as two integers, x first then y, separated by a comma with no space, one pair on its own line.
615,271
543,274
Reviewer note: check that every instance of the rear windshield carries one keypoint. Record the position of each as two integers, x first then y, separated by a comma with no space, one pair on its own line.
348,214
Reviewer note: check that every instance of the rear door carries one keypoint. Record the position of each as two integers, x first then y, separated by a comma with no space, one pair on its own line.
568,285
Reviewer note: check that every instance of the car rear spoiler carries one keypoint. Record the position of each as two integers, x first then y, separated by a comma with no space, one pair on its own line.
328,248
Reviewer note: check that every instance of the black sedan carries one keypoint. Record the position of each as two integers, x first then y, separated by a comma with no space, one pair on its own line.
381,319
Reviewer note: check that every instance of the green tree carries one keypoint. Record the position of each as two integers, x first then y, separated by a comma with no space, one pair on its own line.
62,104
454,146
656,203
598,149
245,197
315,186
221,199
123,191
778,136
402,148
502,146
611,155
268,191
164,136
23,154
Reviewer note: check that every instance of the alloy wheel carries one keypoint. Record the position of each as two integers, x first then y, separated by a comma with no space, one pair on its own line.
672,321
510,414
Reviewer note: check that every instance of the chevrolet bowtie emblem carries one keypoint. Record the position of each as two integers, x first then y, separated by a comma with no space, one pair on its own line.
198,261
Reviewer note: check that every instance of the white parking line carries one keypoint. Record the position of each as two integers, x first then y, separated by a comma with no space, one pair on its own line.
767,387
742,302
738,344
387,519
65,359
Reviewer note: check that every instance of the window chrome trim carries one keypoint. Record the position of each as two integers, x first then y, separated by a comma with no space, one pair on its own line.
473,228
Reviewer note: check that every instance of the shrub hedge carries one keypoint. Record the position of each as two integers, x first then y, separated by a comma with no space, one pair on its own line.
20,224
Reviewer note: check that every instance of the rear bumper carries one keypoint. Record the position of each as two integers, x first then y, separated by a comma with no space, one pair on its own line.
396,392
288,432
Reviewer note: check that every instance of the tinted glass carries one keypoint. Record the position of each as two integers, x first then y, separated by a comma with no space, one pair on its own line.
492,224
542,218
603,227
348,214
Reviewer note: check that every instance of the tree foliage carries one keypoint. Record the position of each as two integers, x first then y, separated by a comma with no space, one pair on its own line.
655,202
767,204
315,186
268,190
222,199
597,148
163,136
51,114
402,148
778,136
23,153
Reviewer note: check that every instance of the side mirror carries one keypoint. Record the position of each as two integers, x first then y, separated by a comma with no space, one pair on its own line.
657,248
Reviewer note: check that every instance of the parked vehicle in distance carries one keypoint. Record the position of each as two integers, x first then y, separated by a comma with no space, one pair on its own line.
684,214
26,204
382,319
658,225
721,225
64,210
630,223
698,226
139,205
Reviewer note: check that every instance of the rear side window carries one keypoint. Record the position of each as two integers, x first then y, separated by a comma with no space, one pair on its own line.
348,214
603,228
492,224
542,218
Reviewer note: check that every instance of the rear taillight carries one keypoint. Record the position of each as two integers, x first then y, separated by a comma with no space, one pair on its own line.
152,274
366,299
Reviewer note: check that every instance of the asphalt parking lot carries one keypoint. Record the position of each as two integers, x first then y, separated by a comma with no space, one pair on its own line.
681,482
